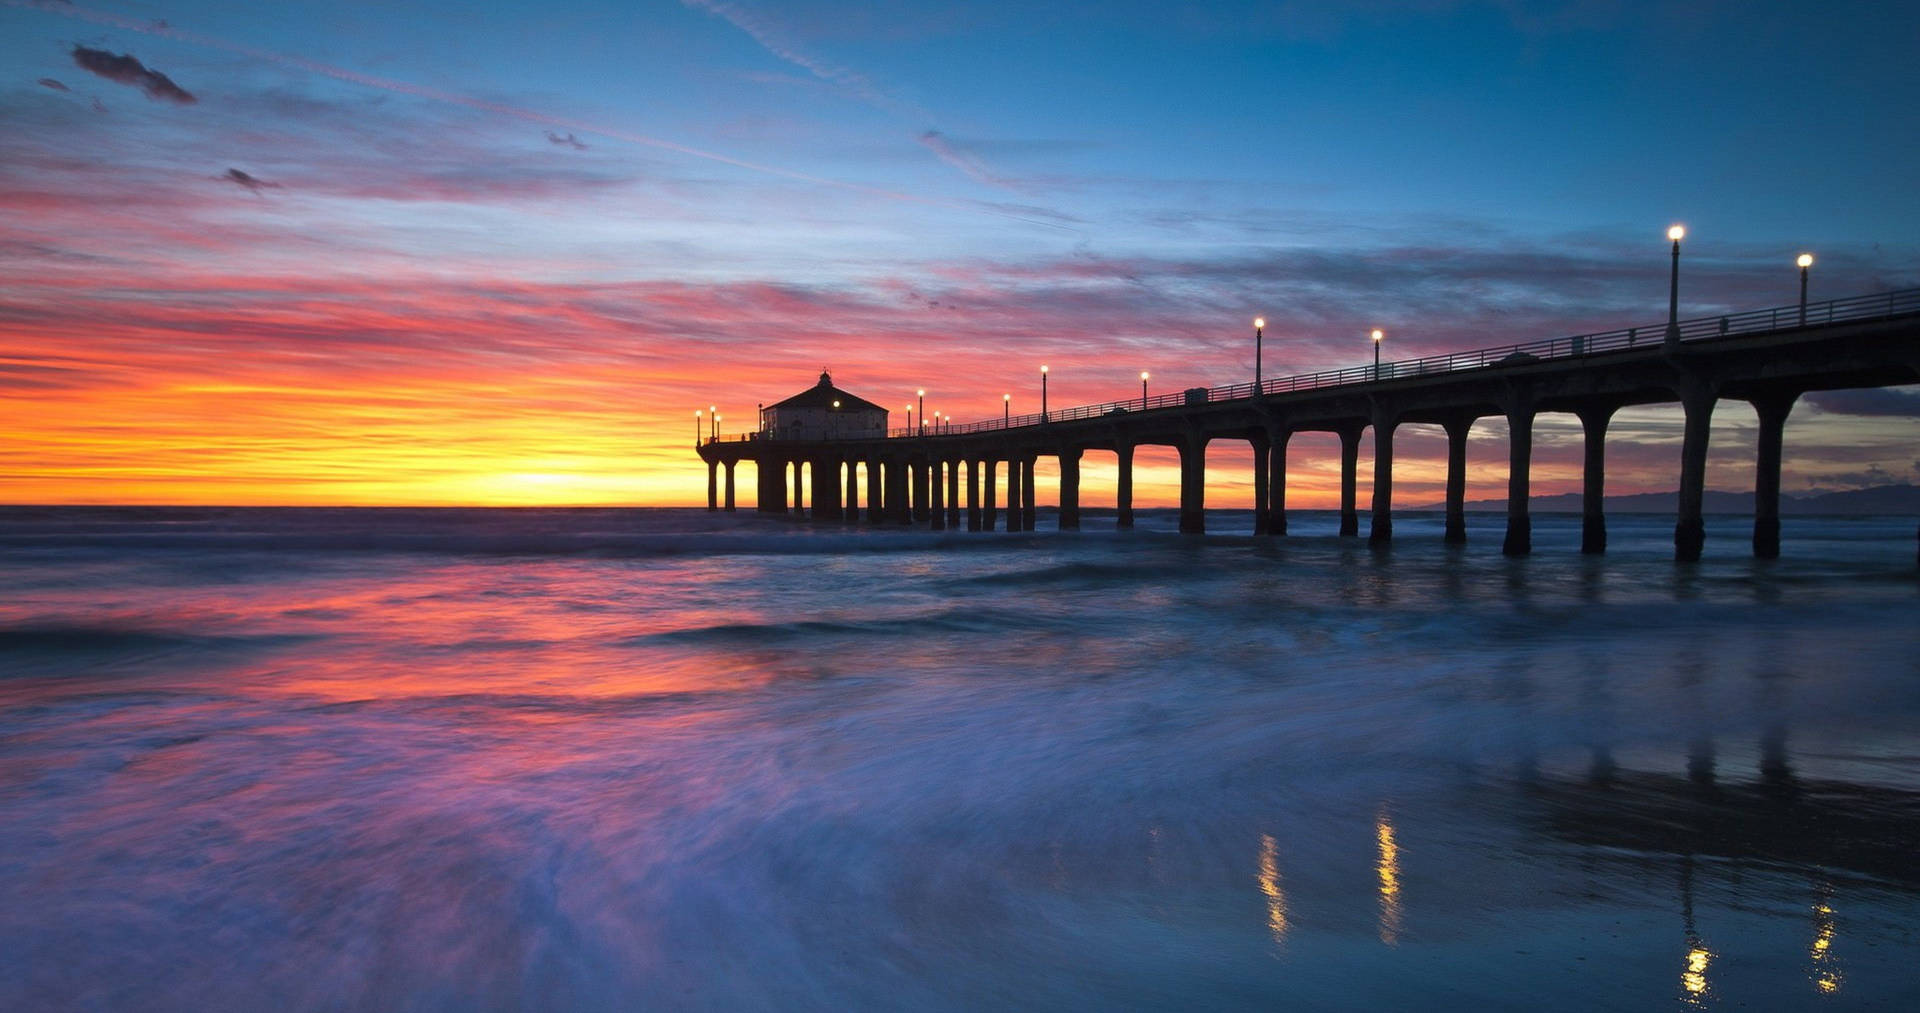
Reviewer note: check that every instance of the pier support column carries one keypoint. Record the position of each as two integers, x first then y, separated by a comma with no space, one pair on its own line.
922,487
729,504
953,494
1773,410
1690,528
1457,432
1070,490
1277,485
898,503
773,486
1593,486
852,506
990,514
1519,540
826,490
936,490
1193,485
1123,491
1384,423
1013,493
713,486
1349,478
973,494
1262,477
876,496
1029,495
799,488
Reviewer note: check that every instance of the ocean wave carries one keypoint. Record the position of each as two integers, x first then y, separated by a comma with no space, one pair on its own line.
53,642
473,532
967,620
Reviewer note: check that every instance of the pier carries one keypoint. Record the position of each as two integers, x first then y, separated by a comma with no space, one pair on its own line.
1768,358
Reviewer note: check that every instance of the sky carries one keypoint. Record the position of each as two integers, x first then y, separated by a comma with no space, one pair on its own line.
500,253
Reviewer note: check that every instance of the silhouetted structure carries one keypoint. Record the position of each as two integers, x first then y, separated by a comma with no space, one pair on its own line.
1765,357
823,412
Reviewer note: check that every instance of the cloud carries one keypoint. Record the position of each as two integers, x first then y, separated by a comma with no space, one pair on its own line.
567,140
246,179
126,69
1878,402
780,43
776,41
47,82
963,160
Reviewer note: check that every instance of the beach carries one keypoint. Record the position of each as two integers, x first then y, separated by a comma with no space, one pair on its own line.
602,759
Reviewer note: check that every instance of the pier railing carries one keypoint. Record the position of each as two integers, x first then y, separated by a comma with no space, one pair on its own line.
1746,324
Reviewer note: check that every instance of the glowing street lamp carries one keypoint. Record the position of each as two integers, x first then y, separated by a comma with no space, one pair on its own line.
1805,261
1143,390
713,413
923,411
1377,335
699,423
1006,411
1258,324
1677,233
1043,393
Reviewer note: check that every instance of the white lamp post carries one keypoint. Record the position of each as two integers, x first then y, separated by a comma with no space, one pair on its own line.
1805,261
1677,233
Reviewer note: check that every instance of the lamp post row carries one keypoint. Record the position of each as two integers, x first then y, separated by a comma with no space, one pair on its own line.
1678,232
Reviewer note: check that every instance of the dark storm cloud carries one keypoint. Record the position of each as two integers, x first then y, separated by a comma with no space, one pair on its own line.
248,180
126,69
1879,402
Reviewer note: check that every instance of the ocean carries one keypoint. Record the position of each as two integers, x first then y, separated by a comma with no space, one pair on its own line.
330,759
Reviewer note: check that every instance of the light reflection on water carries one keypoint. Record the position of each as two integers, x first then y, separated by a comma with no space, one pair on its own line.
725,763
1388,869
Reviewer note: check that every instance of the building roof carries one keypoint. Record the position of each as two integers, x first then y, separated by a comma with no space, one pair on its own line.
823,395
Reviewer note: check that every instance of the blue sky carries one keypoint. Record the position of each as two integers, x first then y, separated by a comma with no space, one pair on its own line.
658,203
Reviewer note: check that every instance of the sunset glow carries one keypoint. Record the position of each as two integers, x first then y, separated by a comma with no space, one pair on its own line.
499,270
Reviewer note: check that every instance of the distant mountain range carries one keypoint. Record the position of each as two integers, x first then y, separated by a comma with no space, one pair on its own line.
1880,499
